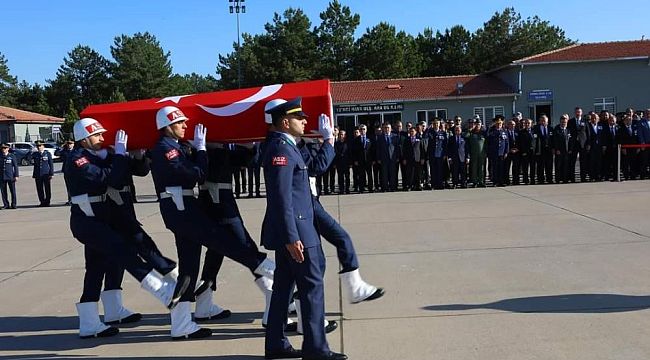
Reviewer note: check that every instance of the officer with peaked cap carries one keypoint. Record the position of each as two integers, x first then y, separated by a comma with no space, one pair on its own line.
89,171
175,174
290,230
9,174
43,173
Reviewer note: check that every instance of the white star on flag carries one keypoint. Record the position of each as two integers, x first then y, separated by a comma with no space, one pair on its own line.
175,99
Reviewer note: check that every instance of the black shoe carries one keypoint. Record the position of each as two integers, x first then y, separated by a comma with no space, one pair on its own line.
250,196
257,194
111,331
127,320
289,353
181,286
329,356
198,334
222,315
331,326
293,327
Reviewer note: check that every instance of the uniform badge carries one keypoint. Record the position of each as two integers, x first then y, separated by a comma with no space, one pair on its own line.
279,161
81,161
171,154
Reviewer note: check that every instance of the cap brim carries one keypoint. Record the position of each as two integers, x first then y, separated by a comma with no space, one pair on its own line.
299,114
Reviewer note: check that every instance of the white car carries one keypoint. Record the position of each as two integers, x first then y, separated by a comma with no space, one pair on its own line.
51,148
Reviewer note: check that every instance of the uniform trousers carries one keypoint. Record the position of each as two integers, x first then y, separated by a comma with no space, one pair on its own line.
11,185
334,233
308,277
343,174
43,189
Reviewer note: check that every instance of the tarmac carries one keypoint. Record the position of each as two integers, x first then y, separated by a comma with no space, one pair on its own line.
521,272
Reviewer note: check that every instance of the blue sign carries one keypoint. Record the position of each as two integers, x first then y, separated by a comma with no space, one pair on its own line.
540,95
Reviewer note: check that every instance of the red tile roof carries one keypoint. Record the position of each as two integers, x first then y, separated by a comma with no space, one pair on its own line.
592,51
22,116
416,88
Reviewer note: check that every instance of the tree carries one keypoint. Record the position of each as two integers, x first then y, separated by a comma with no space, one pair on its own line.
142,68
192,84
83,78
7,83
382,54
71,117
335,41
454,51
31,98
117,96
505,38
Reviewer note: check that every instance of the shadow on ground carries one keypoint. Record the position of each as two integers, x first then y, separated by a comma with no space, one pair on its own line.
76,357
568,303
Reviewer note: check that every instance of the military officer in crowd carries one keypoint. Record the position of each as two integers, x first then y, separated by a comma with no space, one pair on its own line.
437,155
458,152
63,154
610,151
403,136
90,170
254,170
388,155
9,170
329,176
563,146
342,162
477,153
363,157
43,172
175,174
290,230
578,129
498,148
543,151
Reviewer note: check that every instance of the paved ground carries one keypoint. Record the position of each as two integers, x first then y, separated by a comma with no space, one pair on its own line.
544,272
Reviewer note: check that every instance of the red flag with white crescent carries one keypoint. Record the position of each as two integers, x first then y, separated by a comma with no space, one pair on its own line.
229,116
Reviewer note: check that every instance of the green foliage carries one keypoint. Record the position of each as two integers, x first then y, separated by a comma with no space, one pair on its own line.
7,83
142,68
70,117
335,41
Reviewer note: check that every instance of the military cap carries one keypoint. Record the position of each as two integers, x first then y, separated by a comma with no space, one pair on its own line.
4,146
293,107
39,143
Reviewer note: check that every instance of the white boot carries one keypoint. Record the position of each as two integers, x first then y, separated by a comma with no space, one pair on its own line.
89,324
114,310
266,268
358,290
162,288
266,286
172,275
206,309
328,328
182,325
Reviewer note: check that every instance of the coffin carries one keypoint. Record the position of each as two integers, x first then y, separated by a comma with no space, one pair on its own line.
229,116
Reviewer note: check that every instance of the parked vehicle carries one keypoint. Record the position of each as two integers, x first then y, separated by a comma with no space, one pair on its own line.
53,149
23,152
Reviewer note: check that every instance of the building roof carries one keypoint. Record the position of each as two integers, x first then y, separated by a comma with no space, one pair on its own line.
22,116
414,89
614,50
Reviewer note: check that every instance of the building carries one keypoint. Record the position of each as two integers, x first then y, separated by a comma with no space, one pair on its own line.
594,76
21,125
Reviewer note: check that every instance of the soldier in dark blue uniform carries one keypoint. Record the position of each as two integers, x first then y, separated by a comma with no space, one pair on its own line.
43,172
89,172
216,197
290,230
254,170
175,174
458,152
437,154
498,148
9,171
64,153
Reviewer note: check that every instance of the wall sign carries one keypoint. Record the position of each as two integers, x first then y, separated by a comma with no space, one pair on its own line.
368,108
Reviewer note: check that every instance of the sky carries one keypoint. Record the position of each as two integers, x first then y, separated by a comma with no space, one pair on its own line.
36,35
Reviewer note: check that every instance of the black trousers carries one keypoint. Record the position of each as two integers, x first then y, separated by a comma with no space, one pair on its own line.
584,165
377,174
413,173
595,163
437,166
328,179
388,176
365,177
11,184
402,170
239,175
343,174
253,179
43,189
498,164
459,172
629,163
513,164
545,166
562,168
527,168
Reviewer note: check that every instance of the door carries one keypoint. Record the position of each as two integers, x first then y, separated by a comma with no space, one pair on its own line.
543,109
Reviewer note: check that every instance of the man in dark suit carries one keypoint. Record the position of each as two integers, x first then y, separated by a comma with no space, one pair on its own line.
594,147
387,155
578,129
458,153
414,157
543,151
363,157
526,146
610,149
563,145
403,135
342,162
254,170
437,155
628,135
498,148
376,166
329,176
514,158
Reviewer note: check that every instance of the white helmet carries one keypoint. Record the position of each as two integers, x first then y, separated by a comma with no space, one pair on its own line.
86,127
169,115
270,105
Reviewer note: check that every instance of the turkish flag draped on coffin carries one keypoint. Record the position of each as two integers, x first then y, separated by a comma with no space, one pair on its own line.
229,116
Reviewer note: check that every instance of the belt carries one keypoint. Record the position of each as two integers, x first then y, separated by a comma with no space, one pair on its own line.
185,192
214,188
84,201
114,194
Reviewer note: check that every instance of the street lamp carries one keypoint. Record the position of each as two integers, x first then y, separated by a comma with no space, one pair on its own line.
237,6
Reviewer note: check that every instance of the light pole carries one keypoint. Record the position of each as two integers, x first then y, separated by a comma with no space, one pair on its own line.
237,6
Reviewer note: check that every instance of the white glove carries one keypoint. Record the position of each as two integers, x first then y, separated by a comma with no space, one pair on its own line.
325,127
120,142
199,137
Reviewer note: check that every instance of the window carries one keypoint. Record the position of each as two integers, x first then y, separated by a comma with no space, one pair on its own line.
606,103
429,115
392,117
488,113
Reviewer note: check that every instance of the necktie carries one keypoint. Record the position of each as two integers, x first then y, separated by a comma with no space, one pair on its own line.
387,141
412,139
613,131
